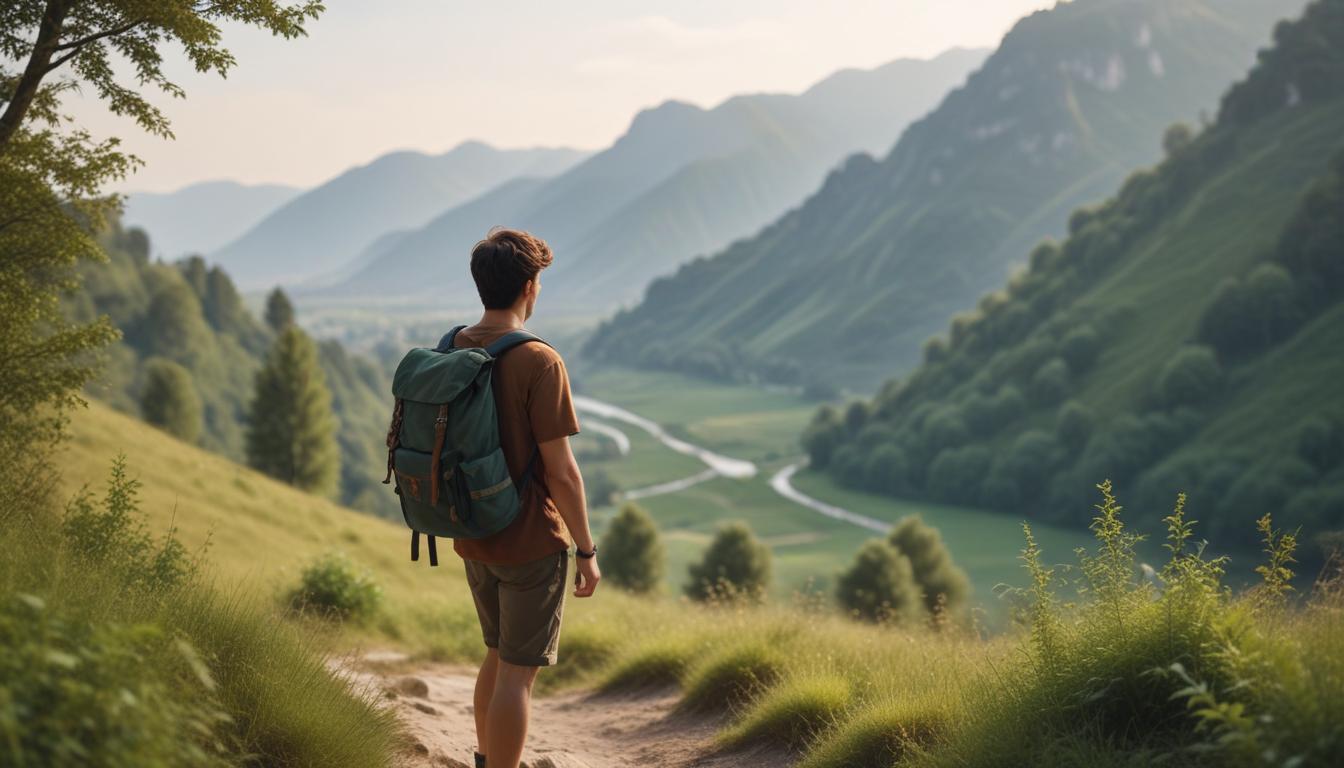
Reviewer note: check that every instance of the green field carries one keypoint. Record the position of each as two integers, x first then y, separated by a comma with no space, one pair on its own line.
809,548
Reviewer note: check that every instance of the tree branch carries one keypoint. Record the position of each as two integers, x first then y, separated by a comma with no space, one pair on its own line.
83,41
48,33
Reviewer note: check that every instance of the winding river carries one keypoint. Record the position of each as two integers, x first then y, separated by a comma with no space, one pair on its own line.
717,464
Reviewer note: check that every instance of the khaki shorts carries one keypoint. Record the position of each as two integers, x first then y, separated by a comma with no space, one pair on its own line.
519,607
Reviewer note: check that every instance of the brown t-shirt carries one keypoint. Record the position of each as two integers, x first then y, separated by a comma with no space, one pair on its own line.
533,399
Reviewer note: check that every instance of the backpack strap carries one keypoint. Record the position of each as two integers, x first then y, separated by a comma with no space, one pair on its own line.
446,343
510,340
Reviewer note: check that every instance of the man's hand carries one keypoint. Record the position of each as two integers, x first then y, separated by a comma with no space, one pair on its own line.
586,576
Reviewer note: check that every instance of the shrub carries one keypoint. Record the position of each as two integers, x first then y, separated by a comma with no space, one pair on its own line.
1073,425
1190,376
879,585
169,400
1051,382
332,587
943,586
75,691
632,554
735,565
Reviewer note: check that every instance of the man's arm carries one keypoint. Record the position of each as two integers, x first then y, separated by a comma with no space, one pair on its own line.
566,487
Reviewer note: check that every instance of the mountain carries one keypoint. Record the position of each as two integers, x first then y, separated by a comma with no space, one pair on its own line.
327,227
888,250
202,217
682,180
1185,337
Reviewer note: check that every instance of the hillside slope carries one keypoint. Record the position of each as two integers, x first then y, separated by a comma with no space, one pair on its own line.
202,217
1185,338
886,251
326,227
682,180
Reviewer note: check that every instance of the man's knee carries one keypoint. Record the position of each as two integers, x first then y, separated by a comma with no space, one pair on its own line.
515,677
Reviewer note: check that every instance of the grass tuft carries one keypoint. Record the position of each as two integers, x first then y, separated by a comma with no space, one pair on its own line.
732,677
660,664
792,713
881,735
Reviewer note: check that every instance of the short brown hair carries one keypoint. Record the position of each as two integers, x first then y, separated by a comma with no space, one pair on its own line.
503,262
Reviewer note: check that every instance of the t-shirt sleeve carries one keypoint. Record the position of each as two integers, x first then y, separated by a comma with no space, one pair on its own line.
550,406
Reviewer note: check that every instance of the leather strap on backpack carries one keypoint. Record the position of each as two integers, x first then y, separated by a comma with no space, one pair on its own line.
440,432
394,437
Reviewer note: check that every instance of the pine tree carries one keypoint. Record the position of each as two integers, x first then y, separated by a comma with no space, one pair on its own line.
632,555
279,311
170,401
292,432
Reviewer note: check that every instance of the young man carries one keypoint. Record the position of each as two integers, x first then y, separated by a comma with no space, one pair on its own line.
517,576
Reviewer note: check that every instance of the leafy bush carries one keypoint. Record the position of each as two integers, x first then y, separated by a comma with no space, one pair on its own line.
879,585
632,554
1190,376
77,693
735,565
332,587
943,586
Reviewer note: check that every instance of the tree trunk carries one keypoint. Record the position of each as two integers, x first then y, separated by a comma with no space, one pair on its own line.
48,37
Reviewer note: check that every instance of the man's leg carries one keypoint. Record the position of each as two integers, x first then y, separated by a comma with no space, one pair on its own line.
506,722
485,690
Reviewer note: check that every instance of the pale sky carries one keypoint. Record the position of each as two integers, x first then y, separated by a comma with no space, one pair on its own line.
427,74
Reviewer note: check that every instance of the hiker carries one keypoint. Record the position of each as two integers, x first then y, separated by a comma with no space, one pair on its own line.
510,499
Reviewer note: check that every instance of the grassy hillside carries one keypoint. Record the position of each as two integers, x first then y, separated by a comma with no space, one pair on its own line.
190,314
837,693
1185,337
887,251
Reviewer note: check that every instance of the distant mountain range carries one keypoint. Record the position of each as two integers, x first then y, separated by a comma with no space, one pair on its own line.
324,229
201,218
888,250
681,181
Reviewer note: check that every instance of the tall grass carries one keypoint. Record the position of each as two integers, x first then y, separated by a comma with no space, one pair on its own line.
127,630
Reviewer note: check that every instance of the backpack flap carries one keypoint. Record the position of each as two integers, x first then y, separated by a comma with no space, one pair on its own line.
426,376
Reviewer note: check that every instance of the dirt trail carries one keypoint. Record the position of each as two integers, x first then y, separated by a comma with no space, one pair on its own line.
570,730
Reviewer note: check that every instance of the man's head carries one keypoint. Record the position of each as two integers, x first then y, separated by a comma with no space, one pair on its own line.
506,265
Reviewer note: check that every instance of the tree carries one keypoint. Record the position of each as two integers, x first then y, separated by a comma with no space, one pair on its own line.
169,400
279,311
736,565
943,585
1073,425
1051,382
291,432
632,555
1190,376
52,174
1080,348
879,585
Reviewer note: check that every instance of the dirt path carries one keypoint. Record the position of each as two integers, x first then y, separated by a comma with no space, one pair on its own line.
570,730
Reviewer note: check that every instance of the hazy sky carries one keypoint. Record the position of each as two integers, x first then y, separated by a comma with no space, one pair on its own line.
427,74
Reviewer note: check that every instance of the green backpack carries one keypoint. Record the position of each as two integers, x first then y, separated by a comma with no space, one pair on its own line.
443,444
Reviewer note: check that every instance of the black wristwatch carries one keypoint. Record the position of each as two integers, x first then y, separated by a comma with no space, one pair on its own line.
585,555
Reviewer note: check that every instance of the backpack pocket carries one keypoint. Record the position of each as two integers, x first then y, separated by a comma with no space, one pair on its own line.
490,492
438,514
